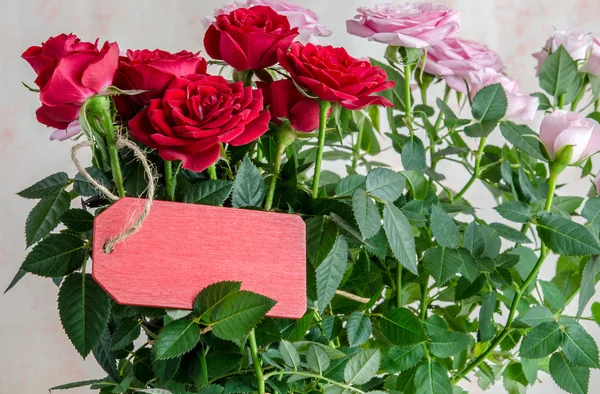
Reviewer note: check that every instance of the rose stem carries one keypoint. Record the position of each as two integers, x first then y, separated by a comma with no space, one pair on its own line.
407,100
324,109
257,363
285,136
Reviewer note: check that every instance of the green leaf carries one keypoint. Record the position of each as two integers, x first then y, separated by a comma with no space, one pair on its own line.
578,346
48,186
82,383
530,369
568,377
348,185
400,237
289,354
385,184
401,327
331,271
413,155
541,341
358,329
596,312
419,185
515,211
362,367
537,315
249,189
18,276
487,330
84,309
126,333
565,236
510,233
400,359
317,359
134,178
443,263
558,73
366,214
45,216
239,313
212,295
210,389
432,378
211,192
474,240
78,220
490,103
523,138
56,255
105,357
444,230
588,283
553,296
176,338
449,343
84,188
591,212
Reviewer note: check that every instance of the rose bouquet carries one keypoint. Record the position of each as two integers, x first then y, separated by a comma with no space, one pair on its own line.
409,290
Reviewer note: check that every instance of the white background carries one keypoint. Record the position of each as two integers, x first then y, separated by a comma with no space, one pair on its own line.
35,354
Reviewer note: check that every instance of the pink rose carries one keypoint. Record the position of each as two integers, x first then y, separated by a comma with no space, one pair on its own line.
411,25
455,58
597,183
521,106
592,66
566,128
576,42
304,19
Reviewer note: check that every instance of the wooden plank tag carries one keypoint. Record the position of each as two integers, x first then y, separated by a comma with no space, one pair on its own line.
182,248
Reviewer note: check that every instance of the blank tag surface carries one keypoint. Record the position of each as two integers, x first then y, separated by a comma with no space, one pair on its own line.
182,248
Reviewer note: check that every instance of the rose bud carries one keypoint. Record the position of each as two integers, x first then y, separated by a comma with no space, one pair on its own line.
564,129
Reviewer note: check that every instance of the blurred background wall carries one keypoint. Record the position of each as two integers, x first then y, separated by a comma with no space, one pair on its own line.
35,354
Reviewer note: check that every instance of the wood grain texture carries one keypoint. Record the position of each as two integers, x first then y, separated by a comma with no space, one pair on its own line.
182,248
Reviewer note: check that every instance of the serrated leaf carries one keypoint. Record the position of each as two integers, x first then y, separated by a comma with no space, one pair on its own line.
510,233
473,239
541,341
358,329
568,377
490,103
78,220
449,344
212,295
558,73
432,378
56,255
348,185
487,331
591,212
366,214
105,357
530,369
45,216
165,370
444,230
239,313
400,359
385,184
249,188
578,346
331,271
84,309
400,237
321,234
18,276
515,211
176,338
413,155
84,188
81,383
317,359
289,354
211,192
127,332
401,327
443,263
523,138
418,184
48,186
362,367
537,315
553,296
565,236
588,283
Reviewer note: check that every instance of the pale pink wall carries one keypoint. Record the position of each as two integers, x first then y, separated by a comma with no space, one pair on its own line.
34,352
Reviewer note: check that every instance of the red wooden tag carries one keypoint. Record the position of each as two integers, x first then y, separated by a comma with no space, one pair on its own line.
182,248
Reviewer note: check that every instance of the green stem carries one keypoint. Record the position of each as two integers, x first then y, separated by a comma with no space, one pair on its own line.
424,294
561,101
212,172
476,171
424,95
169,180
399,285
554,172
440,117
260,379
285,136
356,151
579,96
314,376
324,109
113,152
204,366
407,99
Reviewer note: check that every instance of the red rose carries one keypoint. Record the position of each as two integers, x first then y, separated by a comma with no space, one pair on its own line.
70,72
152,71
286,101
333,75
195,115
249,38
